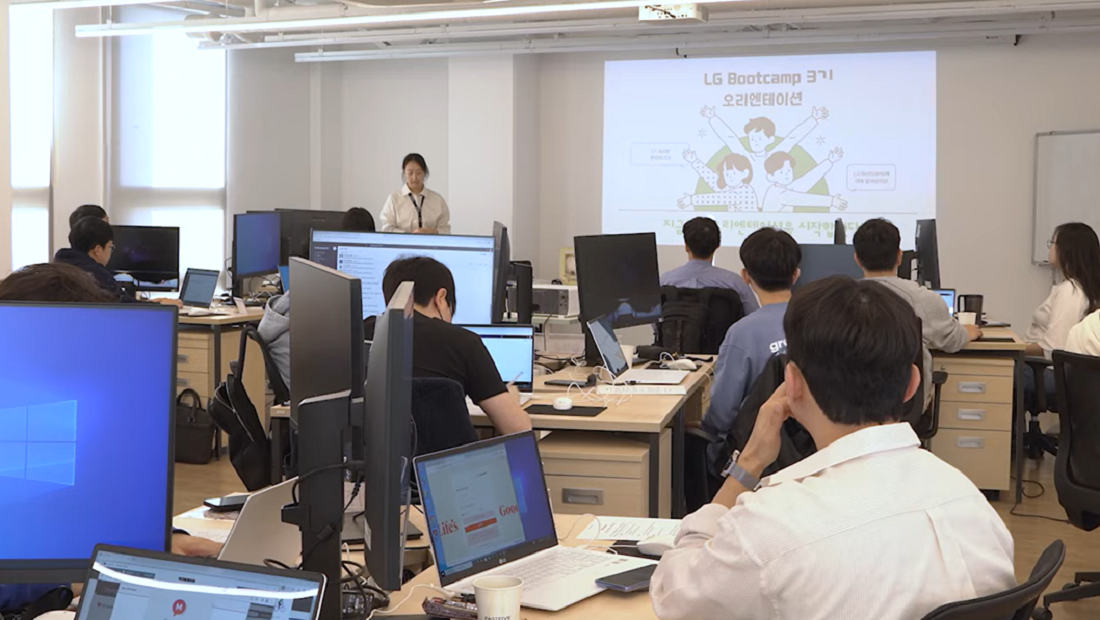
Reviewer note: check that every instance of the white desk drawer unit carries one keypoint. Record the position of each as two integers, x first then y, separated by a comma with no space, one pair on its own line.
975,432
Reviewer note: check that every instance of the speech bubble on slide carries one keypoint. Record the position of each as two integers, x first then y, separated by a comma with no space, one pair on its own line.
872,177
657,153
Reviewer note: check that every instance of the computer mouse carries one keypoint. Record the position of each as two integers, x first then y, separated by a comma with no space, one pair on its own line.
657,545
563,403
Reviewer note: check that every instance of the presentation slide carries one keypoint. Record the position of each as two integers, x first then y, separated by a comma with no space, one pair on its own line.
791,142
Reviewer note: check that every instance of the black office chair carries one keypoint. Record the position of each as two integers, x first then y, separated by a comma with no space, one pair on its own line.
1036,442
1077,466
441,418
929,423
1014,604
695,320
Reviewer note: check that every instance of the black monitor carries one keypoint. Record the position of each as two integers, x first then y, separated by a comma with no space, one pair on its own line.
150,255
928,255
255,244
326,333
295,227
617,277
821,261
502,262
86,444
389,437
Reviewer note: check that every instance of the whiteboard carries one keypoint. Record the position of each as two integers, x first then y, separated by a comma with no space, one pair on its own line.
1067,184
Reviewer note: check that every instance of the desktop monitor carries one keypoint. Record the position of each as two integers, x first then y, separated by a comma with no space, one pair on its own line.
296,226
86,438
326,333
502,262
366,256
617,277
928,254
255,244
389,437
150,255
822,261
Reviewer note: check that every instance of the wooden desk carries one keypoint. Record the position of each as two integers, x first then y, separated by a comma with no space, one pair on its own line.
983,394
604,606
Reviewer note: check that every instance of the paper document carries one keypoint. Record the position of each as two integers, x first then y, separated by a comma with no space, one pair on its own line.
629,528
214,535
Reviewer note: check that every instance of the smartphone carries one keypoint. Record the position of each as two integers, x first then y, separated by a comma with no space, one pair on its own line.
630,581
225,504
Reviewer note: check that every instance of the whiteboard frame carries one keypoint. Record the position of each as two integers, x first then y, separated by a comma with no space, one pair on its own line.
1035,186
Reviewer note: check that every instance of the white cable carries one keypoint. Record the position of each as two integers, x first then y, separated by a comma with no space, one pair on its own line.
432,586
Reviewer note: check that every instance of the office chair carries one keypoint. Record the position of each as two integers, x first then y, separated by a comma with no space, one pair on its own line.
1077,465
1036,442
929,423
695,320
1014,604
274,377
440,417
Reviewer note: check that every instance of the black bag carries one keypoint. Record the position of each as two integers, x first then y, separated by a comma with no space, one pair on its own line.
233,412
695,320
195,430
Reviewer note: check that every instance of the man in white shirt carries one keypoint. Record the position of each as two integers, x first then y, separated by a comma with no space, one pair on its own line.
870,526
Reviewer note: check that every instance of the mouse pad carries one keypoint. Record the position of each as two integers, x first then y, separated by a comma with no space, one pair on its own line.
584,412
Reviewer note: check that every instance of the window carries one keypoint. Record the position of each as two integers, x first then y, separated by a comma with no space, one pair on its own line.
38,443
31,80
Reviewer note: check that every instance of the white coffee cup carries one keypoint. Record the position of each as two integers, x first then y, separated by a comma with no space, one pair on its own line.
967,318
498,597
628,352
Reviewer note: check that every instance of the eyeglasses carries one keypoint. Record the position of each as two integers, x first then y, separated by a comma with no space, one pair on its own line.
1050,243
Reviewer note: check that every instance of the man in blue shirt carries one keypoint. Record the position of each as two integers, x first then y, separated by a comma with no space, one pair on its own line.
771,258
701,240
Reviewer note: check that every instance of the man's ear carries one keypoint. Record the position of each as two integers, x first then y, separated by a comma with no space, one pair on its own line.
441,298
914,383
855,257
797,275
796,383
745,276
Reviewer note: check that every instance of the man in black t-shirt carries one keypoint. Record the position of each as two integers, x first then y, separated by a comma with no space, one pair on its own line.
441,349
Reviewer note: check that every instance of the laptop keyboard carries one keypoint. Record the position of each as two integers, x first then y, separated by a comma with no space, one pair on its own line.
563,562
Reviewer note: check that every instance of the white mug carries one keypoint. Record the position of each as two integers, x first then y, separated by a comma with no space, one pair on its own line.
498,597
967,318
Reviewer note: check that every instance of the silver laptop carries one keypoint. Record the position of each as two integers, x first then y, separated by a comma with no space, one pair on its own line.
513,351
616,363
128,584
259,533
488,513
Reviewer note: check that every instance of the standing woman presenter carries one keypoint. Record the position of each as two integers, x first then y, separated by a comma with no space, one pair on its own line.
415,208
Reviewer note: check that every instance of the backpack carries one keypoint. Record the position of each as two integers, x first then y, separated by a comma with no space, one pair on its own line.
195,430
695,320
233,412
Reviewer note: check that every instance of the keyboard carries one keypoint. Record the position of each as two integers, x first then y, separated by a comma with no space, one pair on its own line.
667,377
645,390
562,562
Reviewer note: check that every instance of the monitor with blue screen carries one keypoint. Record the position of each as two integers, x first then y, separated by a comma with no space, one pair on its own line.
513,351
486,504
256,243
948,296
87,406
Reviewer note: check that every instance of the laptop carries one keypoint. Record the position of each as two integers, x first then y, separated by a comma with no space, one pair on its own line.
948,296
513,351
488,513
130,584
198,287
616,363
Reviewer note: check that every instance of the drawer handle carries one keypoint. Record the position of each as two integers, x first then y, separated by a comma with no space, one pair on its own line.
180,381
975,415
972,387
182,358
973,443
591,497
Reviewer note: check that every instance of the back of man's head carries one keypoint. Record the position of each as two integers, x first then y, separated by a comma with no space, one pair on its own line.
855,343
771,257
84,211
358,219
52,282
90,233
877,243
702,237
427,275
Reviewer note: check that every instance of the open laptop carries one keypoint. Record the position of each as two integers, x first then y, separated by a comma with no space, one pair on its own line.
129,584
616,363
488,513
198,291
948,296
513,351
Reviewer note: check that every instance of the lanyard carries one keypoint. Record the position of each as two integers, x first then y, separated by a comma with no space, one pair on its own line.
419,208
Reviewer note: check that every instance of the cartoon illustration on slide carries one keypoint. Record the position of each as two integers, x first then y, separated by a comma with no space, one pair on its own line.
732,188
787,193
761,133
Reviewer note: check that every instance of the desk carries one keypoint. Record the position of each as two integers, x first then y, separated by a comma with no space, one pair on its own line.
983,394
605,606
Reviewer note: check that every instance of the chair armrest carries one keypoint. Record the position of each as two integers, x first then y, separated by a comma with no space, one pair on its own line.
1038,363
939,377
699,433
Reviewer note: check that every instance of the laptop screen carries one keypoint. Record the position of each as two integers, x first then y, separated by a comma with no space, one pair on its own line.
125,585
513,350
608,344
198,287
486,505
948,296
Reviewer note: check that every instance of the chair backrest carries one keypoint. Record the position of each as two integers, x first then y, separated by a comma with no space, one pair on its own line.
274,377
1077,466
1014,604
441,418
695,320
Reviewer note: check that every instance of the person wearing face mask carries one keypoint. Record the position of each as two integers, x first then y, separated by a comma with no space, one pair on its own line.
415,208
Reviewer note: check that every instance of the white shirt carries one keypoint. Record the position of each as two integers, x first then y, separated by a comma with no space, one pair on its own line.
869,527
399,213
1064,307
1084,338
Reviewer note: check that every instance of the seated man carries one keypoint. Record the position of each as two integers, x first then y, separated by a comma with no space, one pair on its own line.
870,526
701,240
84,211
771,258
358,219
878,253
441,349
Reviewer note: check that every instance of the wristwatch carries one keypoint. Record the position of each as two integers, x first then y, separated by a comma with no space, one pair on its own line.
739,473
